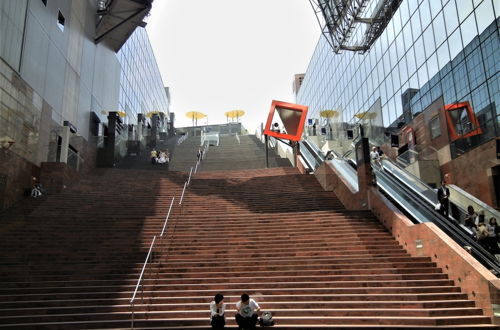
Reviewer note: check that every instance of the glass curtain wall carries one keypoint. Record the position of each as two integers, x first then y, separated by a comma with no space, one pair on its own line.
141,86
436,47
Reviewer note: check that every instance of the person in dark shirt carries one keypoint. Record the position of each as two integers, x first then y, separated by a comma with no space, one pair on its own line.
443,195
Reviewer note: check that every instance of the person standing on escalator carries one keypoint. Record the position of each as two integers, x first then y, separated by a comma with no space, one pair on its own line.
443,195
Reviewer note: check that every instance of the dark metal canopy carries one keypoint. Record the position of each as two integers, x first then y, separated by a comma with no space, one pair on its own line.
338,20
118,19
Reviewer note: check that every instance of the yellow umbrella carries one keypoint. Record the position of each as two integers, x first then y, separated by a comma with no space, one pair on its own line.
120,113
195,115
329,113
235,114
151,113
366,115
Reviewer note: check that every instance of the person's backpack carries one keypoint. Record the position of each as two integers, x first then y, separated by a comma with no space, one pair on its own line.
266,319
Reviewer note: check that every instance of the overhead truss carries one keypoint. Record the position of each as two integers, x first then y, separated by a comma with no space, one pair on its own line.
117,20
339,18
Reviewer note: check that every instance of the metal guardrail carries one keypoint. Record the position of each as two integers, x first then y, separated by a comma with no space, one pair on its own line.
150,255
139,283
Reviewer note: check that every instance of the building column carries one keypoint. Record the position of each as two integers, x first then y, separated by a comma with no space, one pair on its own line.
140,119
365,175
63,157
154,130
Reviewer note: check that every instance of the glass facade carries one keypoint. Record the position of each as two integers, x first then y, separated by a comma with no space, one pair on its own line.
12,17
446,48
141,85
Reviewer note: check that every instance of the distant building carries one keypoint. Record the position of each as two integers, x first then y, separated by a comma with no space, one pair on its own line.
297,82
432,54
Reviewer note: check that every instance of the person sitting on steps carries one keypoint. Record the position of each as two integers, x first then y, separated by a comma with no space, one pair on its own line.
247,313
217,309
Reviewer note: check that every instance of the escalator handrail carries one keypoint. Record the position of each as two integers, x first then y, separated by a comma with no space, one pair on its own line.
314,153
452,230
415,178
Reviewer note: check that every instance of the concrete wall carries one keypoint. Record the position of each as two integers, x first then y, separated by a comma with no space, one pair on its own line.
65,67
63,75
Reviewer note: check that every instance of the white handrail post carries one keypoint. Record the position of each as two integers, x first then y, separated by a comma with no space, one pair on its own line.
182,196
140,279
168,215
132,320
196,167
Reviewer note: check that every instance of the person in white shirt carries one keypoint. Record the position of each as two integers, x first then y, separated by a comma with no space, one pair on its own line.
247,313
217,309
375,156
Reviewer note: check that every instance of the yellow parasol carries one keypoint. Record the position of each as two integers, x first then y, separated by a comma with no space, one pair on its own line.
195,115
329,113
235,114
366,115
120,113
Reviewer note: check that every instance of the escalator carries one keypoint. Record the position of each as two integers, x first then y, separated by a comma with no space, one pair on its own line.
416,200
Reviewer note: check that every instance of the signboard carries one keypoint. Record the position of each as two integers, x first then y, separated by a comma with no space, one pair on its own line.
292,116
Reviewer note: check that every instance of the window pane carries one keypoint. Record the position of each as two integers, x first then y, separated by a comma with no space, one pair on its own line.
430,46
464,8
439,29
422,75
425,14
485,15
455,43
469,30
415,25
419,51
408,39
450,16
435,7
443,55
432,65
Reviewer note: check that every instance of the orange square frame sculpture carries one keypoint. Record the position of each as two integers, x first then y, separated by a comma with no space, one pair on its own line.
293,117
454,115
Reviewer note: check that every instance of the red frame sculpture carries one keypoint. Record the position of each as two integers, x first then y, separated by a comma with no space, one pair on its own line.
454,135
293,121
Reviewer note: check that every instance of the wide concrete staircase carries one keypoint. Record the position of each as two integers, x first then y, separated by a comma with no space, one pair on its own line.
73,261
231,154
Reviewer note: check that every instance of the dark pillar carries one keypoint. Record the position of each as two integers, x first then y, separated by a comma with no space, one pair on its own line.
365,178
267,156
296,152
109,149
154,130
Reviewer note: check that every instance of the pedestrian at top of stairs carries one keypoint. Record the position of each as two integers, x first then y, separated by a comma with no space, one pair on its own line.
199,154
154,156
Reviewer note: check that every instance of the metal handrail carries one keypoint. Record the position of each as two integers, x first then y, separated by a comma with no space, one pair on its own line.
190,173
168,215
183,190
132,305
148,257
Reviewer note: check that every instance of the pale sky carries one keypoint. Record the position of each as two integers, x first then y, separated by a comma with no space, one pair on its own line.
222,55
